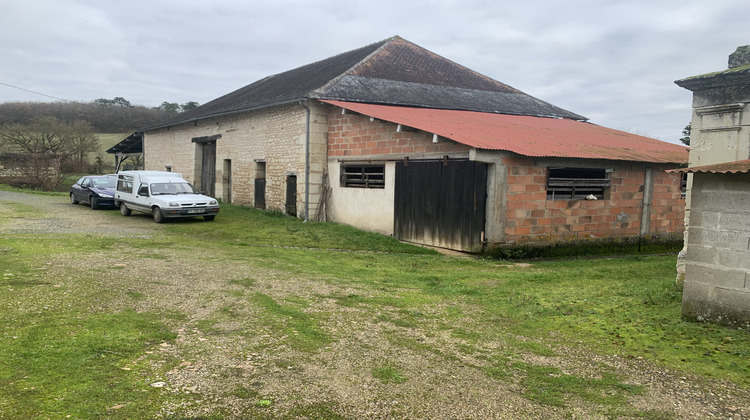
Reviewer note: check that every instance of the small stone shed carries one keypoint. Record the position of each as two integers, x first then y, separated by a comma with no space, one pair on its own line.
395,139
717,252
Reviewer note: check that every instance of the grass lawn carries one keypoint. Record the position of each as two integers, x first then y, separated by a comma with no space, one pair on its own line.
83,333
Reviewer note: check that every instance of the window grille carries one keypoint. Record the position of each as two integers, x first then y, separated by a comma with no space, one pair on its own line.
363,176
577,183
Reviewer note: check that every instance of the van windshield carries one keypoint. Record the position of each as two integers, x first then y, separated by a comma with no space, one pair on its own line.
173,188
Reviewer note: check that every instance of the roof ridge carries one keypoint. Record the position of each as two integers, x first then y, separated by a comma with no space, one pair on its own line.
316,93
469,69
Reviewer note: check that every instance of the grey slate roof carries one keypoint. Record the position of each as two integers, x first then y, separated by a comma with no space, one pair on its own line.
390,72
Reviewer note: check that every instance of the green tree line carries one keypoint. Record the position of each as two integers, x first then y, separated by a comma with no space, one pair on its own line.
115,115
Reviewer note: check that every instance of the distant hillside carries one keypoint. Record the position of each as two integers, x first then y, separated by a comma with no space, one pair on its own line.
110,118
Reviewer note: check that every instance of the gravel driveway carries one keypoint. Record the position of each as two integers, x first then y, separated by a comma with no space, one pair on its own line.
229,367
57,215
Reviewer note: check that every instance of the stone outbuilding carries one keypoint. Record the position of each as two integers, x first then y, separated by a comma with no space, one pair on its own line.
717,253
395,139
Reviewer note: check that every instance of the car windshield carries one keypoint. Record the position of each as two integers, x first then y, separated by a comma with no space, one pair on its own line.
103,182
172,188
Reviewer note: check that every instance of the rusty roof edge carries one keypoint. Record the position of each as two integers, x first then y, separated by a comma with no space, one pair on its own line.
739,166
654,157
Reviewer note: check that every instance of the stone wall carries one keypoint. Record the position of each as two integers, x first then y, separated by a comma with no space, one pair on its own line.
717,276
717,132
273,138
30,170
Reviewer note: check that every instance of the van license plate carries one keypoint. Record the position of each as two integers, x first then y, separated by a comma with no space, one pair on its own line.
194,211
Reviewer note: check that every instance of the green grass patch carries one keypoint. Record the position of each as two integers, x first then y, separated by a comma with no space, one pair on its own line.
6,187
618,246
238,226
302,329
389,374
60,365
549,386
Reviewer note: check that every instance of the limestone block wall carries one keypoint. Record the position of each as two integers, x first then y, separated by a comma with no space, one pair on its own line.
719,132
717,276
272,139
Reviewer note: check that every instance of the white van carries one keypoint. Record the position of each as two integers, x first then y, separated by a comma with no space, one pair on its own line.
162,194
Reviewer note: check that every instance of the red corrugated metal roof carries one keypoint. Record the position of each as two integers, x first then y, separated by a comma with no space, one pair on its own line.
738,167
528,136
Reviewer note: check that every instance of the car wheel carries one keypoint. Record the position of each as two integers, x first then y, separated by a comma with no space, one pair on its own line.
94,204
73,199
158,216
209,218
124,210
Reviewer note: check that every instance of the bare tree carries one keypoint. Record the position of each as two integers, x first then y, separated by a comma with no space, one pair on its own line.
39,149
82,141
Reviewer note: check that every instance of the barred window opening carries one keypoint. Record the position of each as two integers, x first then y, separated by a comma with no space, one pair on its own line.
363,176
577,184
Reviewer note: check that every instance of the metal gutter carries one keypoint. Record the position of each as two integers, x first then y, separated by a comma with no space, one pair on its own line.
307,160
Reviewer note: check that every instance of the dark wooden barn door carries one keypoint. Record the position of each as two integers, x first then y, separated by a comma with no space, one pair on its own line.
291,195
260,193
208,169
441,203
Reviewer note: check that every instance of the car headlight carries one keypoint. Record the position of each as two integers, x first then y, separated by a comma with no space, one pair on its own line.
213,203
105,195
174,204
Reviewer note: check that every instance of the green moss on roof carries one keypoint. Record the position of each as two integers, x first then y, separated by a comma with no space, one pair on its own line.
741,69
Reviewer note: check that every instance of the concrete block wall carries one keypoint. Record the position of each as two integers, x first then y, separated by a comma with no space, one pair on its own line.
531,217
717,272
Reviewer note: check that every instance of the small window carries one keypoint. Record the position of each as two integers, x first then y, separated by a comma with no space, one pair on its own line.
363,176
577,183
683,185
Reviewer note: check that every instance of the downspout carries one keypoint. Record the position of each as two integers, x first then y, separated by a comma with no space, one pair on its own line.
307,161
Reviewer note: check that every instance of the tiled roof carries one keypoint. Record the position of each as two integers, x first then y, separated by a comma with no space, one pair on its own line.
526,135
392,72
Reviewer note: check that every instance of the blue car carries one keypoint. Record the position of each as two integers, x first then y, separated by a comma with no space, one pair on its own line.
96,190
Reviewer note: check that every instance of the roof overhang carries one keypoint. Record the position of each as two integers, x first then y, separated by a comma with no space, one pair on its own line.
131,145
525,135
738,167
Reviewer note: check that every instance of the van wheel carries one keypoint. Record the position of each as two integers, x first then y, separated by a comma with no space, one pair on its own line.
209,218
73,199
124,210
158,216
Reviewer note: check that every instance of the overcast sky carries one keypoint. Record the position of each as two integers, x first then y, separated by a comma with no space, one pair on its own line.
613,61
